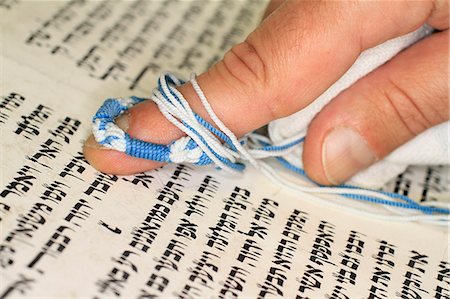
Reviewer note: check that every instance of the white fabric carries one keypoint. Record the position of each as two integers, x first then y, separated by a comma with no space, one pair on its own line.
431,147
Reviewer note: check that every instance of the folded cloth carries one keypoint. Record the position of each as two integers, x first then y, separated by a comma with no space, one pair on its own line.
429,148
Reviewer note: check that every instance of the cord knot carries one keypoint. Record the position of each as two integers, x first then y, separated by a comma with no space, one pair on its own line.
184,150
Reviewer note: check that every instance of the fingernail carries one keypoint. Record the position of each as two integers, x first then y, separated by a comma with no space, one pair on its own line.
123,121
345,153
91,143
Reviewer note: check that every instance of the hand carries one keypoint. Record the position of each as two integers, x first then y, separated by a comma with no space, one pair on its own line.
299,50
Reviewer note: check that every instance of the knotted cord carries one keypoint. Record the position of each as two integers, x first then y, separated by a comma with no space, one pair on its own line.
205,144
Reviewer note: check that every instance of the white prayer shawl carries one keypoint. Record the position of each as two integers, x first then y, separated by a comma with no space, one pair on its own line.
429,148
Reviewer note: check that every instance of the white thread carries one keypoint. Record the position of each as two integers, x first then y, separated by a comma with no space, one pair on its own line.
270,172
260,154
209,137
126,102
111,130
180,110
179,153
220,124
432,219
169,112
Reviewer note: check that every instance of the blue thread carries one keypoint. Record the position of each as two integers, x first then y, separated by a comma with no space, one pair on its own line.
274,148
409,203
111,136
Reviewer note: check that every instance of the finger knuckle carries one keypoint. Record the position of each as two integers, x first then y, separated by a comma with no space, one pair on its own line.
245,64
245,69
407,107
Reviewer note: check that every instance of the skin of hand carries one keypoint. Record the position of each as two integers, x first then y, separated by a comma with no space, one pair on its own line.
298,51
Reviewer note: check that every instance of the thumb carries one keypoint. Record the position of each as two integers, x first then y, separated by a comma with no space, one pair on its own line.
380,112
279,69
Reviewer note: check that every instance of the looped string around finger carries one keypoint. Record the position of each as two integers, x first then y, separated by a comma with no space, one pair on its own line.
207,143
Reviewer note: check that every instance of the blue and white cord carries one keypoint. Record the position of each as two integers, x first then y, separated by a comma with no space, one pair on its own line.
204,144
